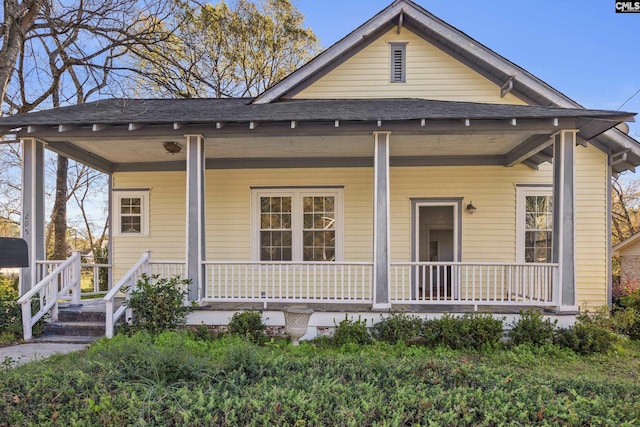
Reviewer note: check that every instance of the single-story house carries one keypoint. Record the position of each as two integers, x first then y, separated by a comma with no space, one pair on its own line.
406,167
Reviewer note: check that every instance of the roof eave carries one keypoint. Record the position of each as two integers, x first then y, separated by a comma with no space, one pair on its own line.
625,244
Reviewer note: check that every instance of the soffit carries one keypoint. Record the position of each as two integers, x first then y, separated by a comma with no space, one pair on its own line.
150,150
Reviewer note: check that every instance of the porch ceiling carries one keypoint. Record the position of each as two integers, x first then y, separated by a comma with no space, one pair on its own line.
150,150
129,153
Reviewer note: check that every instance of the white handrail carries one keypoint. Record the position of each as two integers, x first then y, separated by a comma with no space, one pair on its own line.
474,283
44,267
477,263
95,276
129,279
56,284
286,281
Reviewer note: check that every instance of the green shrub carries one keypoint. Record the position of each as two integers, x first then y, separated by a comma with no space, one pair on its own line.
626,321
631,299
482,330
585,337
243,362
621,290
202,333
532,329
626,315
350,331
471,331
248,325
11,312
398,327
7,338
158,304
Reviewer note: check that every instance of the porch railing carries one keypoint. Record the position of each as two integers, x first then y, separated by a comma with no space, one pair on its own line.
168,269
325,282
92,273
122,290
56,285
474,283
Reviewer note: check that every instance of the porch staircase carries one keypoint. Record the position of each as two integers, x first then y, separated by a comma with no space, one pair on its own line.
77,324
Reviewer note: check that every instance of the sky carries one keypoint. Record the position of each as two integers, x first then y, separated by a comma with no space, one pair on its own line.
582,48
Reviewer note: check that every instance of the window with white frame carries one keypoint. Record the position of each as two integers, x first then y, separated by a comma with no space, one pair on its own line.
131,212
297,224
535,224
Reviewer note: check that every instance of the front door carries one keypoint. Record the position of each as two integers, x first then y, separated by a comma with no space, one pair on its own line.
436,243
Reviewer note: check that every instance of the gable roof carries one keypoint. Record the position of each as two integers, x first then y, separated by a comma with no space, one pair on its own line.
460,46
626,244
444,36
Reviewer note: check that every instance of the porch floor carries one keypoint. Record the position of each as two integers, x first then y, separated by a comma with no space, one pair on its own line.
359,308
98,305
90,304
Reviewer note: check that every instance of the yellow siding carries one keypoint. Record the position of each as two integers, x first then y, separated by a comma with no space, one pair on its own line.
167,234
591,227
229,207
632,250
488,235
228,213
431,74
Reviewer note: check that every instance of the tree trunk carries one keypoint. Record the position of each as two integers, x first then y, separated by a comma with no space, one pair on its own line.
18,18
59,218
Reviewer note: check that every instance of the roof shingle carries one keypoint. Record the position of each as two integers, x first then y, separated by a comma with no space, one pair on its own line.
150,111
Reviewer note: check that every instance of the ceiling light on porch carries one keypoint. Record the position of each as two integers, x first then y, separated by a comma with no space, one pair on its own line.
172,147
471,209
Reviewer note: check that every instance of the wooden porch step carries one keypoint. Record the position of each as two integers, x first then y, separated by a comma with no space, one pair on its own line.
81,315
92,329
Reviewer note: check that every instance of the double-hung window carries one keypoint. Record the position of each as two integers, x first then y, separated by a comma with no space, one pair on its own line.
276,228
535,224
131,212
297,224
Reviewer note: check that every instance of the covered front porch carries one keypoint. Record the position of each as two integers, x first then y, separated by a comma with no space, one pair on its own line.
383,178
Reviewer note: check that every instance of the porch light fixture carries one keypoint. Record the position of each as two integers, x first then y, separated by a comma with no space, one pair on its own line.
471,209
172,147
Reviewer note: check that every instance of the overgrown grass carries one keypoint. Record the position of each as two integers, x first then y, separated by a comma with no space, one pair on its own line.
173,379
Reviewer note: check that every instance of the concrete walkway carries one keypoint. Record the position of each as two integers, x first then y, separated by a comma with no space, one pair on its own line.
24,353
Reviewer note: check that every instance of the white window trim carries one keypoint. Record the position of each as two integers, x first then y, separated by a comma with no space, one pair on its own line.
521,193
143,195
296,195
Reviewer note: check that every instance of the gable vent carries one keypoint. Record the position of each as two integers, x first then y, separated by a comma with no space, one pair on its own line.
398,62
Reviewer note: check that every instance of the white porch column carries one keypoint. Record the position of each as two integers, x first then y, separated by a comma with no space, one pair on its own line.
32,217
110,232
564,231
195,250
381,251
